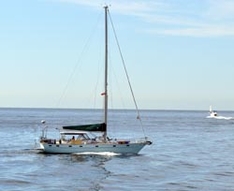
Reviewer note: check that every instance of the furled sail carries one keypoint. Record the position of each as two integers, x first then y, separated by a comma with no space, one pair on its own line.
89,127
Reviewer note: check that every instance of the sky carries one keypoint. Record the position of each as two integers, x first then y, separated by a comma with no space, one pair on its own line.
179,54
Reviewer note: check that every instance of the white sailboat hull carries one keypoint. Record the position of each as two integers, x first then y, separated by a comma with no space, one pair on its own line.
131,148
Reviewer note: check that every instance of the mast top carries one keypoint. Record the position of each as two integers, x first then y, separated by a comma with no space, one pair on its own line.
106,6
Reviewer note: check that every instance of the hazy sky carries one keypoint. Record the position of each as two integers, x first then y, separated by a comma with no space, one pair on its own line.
179,53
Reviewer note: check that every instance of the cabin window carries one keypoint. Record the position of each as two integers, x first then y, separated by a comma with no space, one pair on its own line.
96,146
70,146
114,145
127,145
57,145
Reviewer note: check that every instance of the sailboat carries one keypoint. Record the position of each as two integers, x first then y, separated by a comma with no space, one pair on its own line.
78,139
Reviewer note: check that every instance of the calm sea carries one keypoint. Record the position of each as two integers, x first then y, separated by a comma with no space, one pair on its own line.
189,152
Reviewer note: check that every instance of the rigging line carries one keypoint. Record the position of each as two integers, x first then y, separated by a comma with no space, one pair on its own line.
78,62
126,73
95,90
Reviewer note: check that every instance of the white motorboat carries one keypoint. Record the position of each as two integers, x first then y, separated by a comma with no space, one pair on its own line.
214,114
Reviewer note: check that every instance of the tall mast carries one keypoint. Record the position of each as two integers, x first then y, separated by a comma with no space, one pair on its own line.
106,71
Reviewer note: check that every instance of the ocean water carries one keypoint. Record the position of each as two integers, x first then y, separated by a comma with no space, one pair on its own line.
189,152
